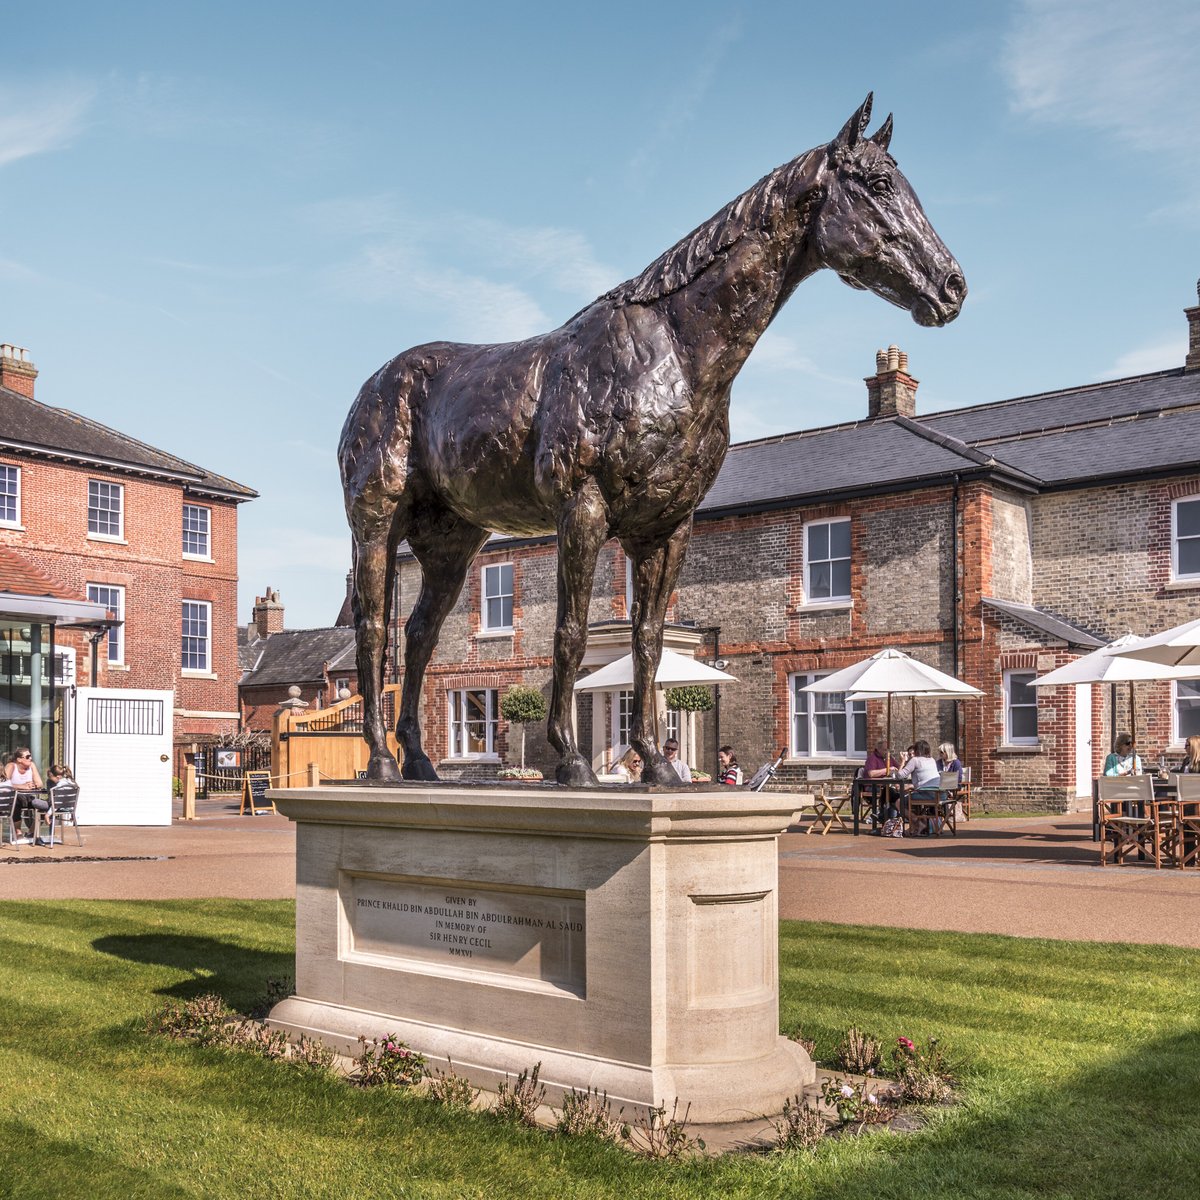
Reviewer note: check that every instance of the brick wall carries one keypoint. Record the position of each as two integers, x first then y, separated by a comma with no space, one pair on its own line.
149,564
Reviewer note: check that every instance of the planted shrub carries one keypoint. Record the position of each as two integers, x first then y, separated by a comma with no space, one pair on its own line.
589,1114
204,1020
692,697
859,1052
387,1062
662,1137
520,705
518,1102
452,1090
801,1127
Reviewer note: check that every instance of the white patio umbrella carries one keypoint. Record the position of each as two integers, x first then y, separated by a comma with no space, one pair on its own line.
893,673
1111,664
1178,647
674,670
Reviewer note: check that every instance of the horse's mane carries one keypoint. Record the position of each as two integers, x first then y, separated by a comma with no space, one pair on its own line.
755,209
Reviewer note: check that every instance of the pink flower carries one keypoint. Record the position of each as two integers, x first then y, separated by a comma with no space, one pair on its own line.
846,1090
872,1099
907,1043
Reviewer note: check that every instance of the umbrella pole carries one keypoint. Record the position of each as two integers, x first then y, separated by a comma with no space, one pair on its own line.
888,752
1132,728
913,711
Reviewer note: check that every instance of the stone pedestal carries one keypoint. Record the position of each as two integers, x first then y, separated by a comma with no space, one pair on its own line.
627,941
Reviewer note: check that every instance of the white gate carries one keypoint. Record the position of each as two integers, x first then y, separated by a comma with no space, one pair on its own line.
1083,740
121,741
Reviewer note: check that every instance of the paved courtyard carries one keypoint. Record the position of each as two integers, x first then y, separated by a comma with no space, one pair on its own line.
1033,877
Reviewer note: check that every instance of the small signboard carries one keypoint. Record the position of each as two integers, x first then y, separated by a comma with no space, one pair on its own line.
228,758
254,793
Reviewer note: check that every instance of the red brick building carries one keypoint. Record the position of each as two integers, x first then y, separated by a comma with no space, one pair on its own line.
994,542
145,534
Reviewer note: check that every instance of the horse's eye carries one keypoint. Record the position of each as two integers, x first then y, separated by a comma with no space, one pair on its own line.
881,185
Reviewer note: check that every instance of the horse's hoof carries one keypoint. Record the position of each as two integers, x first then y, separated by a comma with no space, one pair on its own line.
418,767
576,773
660,772
383,770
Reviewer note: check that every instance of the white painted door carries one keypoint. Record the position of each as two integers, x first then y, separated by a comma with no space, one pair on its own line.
1083,740
122,755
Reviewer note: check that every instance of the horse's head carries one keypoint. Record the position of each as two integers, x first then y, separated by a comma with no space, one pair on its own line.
872,231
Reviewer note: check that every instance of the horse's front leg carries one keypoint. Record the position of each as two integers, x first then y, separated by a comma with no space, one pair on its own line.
445,546
582,530
655,574
374,527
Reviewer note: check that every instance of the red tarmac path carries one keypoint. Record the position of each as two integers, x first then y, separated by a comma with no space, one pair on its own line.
1032,877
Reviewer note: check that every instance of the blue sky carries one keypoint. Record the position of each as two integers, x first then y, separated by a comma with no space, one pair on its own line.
217,219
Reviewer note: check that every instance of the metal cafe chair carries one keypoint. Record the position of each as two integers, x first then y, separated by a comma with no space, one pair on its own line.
64,802
1126,812
8,808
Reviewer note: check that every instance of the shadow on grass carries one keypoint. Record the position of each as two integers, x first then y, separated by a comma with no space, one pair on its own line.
235,973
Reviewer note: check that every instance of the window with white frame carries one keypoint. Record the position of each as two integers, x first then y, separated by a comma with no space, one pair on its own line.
106,509
197,635
622,711
1020,708
498,596
1187,708
341,685
10,495
827,561
195,531
826,724
1185,539
113,598
473,722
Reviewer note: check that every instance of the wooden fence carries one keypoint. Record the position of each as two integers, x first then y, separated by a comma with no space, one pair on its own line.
328,738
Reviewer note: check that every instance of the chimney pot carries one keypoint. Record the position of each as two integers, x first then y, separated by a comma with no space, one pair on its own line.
268,613
1192,362
17,372
891,391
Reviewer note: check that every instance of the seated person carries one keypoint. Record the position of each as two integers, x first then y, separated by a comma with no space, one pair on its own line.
948,760
879,762
1191,756
58,773
920,767
629,766
22,773
671,750
1123,760
728,771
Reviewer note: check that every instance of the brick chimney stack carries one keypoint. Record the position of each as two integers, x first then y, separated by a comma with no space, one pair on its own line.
17,373
268,614
891,391
1192,362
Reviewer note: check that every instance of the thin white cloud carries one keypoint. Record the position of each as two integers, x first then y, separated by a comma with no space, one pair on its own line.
41,119
18,272
779,354
1159,355
1126,70
679,105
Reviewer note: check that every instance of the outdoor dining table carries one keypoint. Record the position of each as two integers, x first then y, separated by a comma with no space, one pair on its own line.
879,791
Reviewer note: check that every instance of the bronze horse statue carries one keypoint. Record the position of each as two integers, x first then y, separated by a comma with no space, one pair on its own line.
612,426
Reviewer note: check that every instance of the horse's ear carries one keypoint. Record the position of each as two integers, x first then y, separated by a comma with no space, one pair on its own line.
852,131
882,137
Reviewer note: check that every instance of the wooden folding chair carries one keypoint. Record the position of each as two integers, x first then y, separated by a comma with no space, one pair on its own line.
935,807
964,793
827,805
1126,811
1187,788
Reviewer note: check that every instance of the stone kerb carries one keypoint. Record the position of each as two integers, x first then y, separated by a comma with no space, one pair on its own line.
627,941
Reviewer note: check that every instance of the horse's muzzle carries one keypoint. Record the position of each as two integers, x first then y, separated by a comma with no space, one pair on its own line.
945,306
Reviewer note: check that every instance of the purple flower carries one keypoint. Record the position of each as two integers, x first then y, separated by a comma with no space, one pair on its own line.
846,1090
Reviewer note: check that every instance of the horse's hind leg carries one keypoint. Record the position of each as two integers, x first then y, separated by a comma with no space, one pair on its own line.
376,529
445,546
582,529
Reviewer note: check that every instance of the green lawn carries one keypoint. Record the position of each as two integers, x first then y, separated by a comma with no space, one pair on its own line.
1083,1074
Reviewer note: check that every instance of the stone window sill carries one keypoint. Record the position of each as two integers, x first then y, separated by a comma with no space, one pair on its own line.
491,635
818,606
1182,585
474,758
12,525
189,674
1022,748
204,558
107,537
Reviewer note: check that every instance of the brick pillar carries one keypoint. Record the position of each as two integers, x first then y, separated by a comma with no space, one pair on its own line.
1192,362
891,391
268,614
17,373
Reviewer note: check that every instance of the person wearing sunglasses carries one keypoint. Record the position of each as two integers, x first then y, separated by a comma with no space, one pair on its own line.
671,750
22,773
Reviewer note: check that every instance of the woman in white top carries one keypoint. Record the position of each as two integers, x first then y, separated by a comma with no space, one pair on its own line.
22,773
629,766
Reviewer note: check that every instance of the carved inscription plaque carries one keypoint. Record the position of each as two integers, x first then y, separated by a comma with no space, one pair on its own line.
530,935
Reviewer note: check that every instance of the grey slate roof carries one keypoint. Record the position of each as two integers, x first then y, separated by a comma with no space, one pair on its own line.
298,655
1045,622
29,425
1124,427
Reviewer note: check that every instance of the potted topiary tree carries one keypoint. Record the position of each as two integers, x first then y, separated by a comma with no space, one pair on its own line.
520,705
691,697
